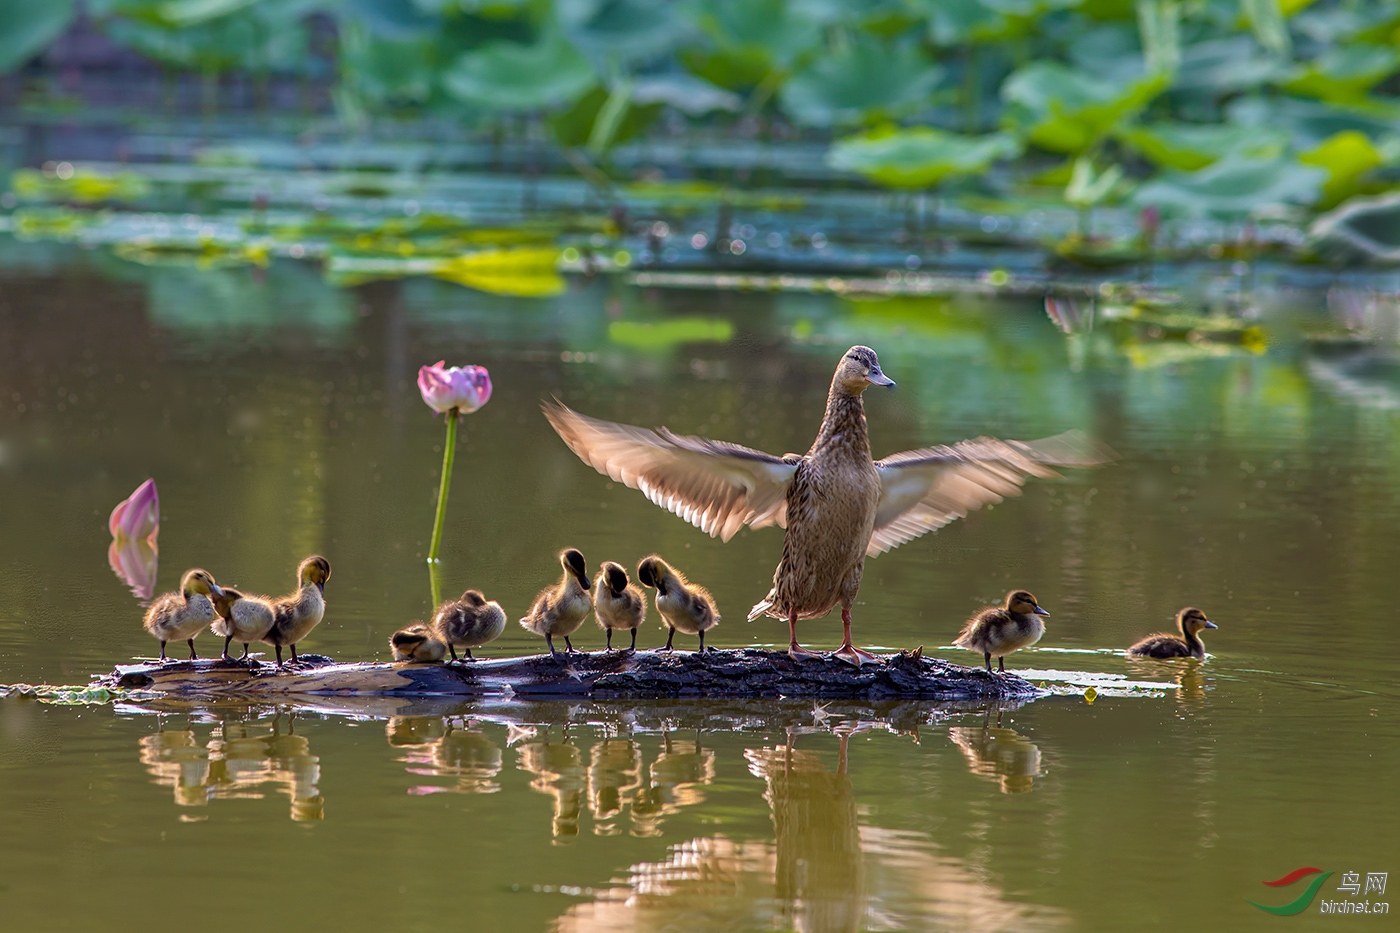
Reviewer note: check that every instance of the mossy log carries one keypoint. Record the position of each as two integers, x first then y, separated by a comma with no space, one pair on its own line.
746,672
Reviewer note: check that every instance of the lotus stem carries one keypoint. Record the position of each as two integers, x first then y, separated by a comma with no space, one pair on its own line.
448,451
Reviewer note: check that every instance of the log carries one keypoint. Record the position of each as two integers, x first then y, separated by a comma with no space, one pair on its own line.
744,672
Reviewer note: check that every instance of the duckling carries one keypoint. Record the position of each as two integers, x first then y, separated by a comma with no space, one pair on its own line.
470,622
417,643
1189,645
247,618
618,603
295,615
684,605
837,504
1000,630
183,615
561,609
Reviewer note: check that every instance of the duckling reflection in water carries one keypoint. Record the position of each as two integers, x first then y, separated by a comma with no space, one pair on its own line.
177,760
1190,622
999,630
469,622
417,643
614,776
820,870
1000,753
559,772
675,780
435,747
561,609
182,615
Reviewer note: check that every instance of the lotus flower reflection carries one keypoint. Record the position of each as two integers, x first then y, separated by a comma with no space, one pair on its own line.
134,524
135,564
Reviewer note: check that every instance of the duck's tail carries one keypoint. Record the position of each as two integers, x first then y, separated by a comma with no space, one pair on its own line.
763,607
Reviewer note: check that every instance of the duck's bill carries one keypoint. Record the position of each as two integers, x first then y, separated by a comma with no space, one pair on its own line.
878,378
1210,624
1040,612
215,589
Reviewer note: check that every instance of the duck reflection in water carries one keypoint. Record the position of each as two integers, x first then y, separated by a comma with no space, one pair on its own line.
559,772
999,753
614,775
676,777
235,764
438,748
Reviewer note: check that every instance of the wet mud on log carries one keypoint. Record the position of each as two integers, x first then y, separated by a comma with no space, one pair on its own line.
741,673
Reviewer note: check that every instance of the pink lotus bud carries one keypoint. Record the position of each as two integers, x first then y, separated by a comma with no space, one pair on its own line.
465,388
134,563
137,517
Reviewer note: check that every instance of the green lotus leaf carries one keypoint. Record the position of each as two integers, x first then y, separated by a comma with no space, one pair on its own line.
1064,110
1223,66
1308,122
509,76
866,77
1346,157
1190,146
1234,186
28,26
919,157
1344,73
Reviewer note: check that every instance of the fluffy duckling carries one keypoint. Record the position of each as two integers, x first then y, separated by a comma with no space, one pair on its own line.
417,643
1000,630
469,622
618,603
561,609
295,615
1188,645
247,618
685,606
182,615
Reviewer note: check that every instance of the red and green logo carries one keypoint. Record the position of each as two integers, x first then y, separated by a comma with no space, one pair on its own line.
1303,900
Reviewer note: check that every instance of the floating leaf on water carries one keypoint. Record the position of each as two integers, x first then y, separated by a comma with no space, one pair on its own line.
83,184
919,157
509,76
1064,110
525,272
1090,695
1346,157
1191,146
1344,73
1234,186
863,78
661,335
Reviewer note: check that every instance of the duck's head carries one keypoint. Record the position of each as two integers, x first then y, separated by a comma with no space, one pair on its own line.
615,576
474,598
859,369
198,581
315,569
653,571
572,561
1191,620
1023,601
224,600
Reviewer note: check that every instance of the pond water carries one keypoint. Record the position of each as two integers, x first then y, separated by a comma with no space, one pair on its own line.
280,418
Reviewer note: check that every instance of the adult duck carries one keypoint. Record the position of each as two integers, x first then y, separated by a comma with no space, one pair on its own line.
837,503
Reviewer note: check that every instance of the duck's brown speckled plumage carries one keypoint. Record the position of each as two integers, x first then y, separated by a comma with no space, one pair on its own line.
469,622
618,603
996,631
838,505
1188,644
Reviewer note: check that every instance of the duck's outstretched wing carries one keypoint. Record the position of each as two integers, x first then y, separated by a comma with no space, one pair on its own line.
921,490
716,486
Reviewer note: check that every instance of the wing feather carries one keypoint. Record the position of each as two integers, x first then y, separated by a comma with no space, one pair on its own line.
716,486
922,490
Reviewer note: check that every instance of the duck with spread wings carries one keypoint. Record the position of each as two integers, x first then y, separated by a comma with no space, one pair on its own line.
837,503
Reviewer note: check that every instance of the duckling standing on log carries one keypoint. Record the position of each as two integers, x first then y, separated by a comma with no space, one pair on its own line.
685,607
247,618
561,609
618,603
1000,630
417,643
469,622
837,503
1188,645
182,615
295,615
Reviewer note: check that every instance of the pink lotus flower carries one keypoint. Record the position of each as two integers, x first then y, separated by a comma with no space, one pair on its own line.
465,388
137,517
134,562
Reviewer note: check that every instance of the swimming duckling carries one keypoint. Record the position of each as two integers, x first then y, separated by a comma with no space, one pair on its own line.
469,622
416,643
294,616
1189,645
685,606
1000,630
561,609
617,602
247,618
183,615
